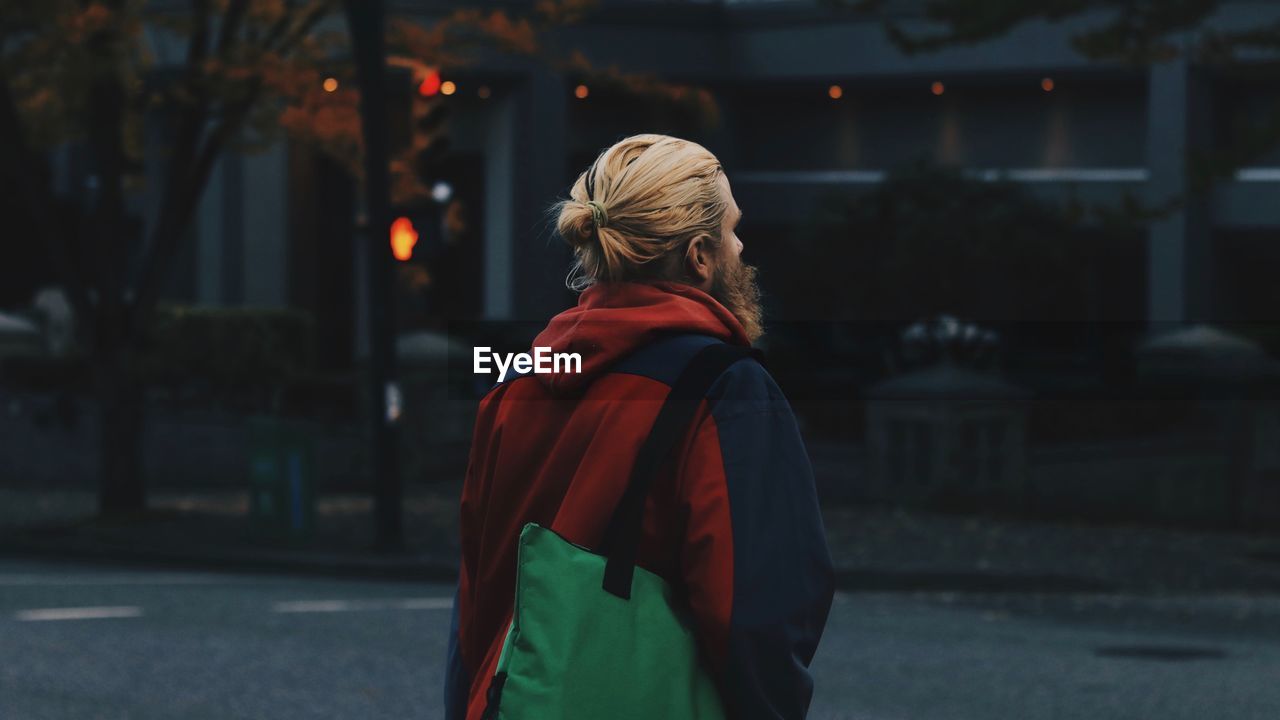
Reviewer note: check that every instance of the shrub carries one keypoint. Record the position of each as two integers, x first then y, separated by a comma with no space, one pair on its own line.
236,355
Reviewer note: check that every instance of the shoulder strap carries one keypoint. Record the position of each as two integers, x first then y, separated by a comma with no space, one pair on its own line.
622,535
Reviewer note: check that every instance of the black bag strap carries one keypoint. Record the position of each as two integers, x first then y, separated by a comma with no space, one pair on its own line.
622,535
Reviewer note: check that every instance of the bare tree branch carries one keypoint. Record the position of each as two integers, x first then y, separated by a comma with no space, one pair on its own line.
182,202
187,139
230,25
284,42
1135,31
187,183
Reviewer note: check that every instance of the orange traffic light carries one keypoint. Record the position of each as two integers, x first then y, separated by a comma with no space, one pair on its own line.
403,238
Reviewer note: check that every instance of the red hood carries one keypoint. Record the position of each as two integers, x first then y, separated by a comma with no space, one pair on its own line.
614,319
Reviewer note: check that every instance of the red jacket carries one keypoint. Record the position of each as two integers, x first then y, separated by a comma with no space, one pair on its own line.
735,524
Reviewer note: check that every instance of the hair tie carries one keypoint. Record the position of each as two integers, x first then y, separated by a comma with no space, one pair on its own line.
598,214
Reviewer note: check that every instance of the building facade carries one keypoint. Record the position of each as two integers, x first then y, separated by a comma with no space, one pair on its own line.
813,102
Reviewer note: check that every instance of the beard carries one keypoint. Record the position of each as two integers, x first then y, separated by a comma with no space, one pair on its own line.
734,286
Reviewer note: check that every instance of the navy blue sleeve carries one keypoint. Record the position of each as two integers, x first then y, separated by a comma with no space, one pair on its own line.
782,576
456,682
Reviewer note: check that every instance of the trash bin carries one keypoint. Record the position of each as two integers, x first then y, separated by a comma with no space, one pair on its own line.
282,478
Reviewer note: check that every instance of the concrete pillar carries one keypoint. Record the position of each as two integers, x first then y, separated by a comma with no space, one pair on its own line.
500,209
233,233
541,260
219,235
266,227
1179,244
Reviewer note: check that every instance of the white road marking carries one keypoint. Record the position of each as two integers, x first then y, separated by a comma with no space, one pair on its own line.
427,604
311,606
78,613
331,606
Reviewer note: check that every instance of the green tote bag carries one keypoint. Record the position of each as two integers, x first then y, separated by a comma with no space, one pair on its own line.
594,636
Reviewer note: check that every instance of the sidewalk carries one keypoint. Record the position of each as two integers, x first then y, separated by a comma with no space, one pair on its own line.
873,549
214,530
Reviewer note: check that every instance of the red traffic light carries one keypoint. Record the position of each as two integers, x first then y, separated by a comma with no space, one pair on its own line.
430,84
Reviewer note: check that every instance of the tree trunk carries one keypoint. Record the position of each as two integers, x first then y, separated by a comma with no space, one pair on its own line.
121,487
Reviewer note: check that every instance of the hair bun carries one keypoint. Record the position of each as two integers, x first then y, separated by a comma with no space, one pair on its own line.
660,190
576,224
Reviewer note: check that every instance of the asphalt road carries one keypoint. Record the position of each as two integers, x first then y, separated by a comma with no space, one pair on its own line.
111,644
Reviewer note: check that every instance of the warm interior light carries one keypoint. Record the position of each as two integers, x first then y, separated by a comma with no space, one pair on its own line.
938,88
430,84
448,87
581,92
1046,84
403,238
484,92
835,92
330,84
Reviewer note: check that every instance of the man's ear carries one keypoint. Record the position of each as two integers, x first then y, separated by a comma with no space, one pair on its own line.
699,261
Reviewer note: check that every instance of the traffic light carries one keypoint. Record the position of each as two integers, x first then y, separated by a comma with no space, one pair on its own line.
403,237
420,140
429,140
419,108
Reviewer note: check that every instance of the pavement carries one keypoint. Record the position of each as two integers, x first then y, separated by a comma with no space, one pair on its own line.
108,642
215,530
874,549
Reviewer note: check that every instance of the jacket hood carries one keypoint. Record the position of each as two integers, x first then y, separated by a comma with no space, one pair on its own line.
612,320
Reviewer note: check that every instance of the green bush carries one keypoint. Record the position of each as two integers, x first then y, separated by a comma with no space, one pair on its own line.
228,349
250,359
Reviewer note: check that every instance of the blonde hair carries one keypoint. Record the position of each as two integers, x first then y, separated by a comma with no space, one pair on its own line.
633,212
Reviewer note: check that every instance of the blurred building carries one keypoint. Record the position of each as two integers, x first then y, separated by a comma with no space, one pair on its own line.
813,101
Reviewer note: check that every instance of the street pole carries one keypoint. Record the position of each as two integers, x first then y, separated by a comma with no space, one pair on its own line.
366,24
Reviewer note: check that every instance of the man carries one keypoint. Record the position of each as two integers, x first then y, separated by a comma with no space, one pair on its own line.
734,525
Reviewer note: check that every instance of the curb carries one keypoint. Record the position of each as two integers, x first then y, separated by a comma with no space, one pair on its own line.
398,567
985,583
